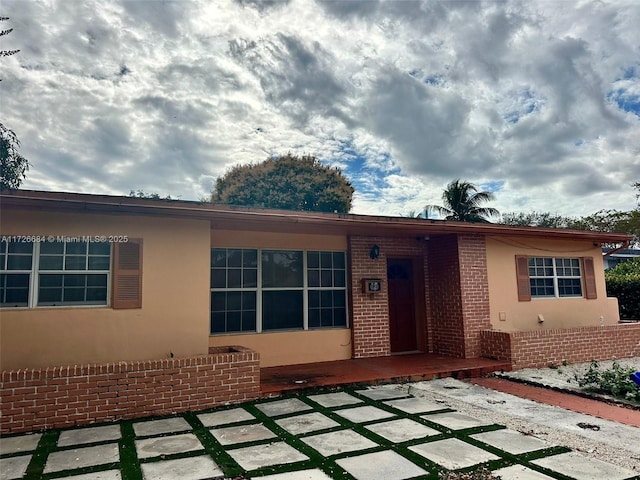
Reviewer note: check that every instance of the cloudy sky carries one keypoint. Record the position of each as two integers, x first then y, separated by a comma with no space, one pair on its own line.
538,102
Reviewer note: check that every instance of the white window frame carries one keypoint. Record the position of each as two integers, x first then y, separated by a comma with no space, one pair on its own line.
556,277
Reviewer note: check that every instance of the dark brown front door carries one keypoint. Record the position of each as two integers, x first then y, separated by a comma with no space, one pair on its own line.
402,308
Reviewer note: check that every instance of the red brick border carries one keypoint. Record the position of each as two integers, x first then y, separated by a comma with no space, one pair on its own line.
551,347
35,399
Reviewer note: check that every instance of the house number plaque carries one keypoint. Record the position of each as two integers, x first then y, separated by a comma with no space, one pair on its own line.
371,285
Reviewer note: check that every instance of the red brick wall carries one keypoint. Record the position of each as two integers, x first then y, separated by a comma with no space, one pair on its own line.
551,347
370,316
34,399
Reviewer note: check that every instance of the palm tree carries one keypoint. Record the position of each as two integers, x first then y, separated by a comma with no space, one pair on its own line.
462,202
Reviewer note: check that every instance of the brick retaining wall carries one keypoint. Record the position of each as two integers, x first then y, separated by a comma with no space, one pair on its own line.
551,347
35,399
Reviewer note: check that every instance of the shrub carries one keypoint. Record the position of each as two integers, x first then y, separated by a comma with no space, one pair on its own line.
615,381
623,282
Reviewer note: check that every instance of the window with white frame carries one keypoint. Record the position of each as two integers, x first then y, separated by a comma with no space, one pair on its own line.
256,290
54,273
555,277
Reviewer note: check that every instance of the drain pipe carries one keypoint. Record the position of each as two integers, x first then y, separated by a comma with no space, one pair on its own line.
624,245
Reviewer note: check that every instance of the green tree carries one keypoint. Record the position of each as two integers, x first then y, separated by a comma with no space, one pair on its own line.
462,202
142,194
536,219
13,166
6,53
288,182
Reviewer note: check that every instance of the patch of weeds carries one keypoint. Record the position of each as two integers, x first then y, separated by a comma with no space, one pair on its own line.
614,381
481,473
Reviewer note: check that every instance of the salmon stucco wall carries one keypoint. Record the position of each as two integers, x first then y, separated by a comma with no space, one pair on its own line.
173,320
509,314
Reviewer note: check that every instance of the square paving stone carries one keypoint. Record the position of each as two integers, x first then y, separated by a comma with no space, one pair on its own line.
337,399
224,417
520,472
260,456
402,430
379,393
334,443
387,465
158,427
583,468
364,414
104,475
309,422
414,405
89,435
455,420
511,441
14,467
452,453
156,446
192,468
283,407
82,457
242,434
299,475
21,443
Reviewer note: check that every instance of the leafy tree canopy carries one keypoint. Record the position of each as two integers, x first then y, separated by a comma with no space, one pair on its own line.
462,202
13,166
288,182
142,194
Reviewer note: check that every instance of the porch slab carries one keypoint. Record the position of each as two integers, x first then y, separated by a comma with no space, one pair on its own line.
383,393
81,436
335,443
402,430
314,474
415,405
307,423
511,441
455,421
337,399
283,407
82,457
192,468
104,475
21,443
386,464
583,468
157,446
452,453
159,427
260,456
520,472
242,434
14,467
225,417
364,414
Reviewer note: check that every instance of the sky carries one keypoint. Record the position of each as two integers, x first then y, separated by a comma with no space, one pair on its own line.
535,101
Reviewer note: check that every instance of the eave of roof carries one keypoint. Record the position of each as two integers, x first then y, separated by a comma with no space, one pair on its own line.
243,218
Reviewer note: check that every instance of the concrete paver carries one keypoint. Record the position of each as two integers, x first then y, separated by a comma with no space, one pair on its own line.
192,468
82,457
335,443
307,423
157,446
455,421
583,468
224,417
104,475
283,407
382,393
520,472
260,456
337,399
158,427
22,443
511,441
414,405
299,475
86,435
364,414
402,430
453,454
242,434
386,465
14,467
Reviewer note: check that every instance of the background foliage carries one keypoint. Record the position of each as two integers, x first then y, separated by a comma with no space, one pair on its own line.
623,282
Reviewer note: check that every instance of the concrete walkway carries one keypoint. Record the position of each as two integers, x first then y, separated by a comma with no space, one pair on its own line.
382,433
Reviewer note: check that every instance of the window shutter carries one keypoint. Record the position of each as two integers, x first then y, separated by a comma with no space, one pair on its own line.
127,274
589,278
522,273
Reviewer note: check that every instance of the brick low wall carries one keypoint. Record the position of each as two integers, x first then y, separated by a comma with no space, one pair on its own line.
35,399
551,347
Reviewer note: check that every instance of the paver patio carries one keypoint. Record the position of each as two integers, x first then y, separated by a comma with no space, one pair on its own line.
380,433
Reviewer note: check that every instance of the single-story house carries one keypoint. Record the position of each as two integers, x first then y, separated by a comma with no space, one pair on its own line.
111,286
615,256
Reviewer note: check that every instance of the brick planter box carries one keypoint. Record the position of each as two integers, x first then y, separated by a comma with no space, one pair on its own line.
551,347
35,399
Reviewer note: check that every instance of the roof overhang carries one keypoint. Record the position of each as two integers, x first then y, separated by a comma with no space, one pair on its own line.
254,219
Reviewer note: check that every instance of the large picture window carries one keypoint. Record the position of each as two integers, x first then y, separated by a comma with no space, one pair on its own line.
555,277
268,290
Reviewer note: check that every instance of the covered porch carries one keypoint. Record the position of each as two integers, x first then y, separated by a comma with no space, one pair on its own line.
372,371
